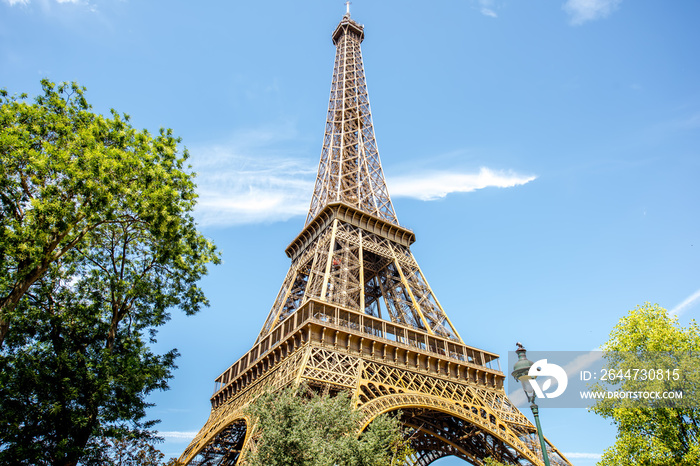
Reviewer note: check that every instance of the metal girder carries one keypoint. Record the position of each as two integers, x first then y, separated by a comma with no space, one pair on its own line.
356,313
350,170
345,264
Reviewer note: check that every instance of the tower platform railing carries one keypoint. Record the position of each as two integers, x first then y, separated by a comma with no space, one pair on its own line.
369,336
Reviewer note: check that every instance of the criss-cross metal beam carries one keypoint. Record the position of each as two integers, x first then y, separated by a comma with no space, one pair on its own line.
356,313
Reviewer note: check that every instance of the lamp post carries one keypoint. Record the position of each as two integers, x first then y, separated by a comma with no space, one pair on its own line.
520,373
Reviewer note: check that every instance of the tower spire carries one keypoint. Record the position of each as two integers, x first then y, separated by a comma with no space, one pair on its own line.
350,170
352,251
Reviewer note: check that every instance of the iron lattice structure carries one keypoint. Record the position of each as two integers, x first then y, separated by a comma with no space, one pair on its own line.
356,313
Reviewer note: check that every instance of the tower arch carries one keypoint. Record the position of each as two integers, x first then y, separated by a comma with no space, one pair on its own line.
226,446
439,428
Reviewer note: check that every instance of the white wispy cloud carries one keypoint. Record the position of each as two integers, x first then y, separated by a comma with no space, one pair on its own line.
436,185
256,177
581,11
252,190
238,188
686,304
487,8
267,175
591,456
175,436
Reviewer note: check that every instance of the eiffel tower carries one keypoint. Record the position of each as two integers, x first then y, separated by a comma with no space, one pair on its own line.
356,313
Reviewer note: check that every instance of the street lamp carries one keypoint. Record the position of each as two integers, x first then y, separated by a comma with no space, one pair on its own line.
520,373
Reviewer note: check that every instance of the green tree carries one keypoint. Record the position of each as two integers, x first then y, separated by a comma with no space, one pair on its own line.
130,451
653,432
298,427
97,244
493,462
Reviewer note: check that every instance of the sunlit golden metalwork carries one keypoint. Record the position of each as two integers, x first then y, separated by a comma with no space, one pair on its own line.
356,313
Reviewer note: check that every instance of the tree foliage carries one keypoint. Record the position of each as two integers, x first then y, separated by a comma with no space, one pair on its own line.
97,244
656,432
298,427
129,451
493,462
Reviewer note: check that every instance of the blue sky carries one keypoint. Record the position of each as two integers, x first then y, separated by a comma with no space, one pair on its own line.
545,153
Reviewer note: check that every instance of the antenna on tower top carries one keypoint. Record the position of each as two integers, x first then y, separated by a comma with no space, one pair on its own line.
347,8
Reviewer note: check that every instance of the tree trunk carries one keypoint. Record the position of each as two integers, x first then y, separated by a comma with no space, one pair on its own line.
9,302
